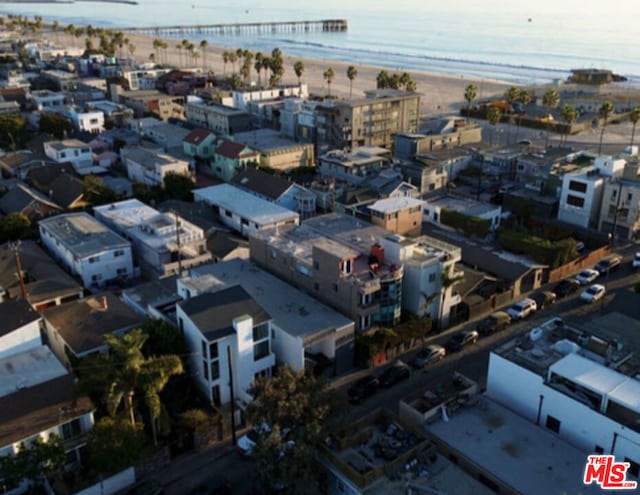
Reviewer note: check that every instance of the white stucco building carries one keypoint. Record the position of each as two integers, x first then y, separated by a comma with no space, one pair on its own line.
87,248
76,152
242,97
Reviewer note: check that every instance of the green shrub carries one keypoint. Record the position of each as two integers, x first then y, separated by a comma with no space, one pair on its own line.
471,226
545,251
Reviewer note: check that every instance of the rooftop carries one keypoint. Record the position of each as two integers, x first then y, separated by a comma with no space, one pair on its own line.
267,140
216,107
390,205
147,158
464,205
526,458
82,234
67,143
245,204
14,314
360,156
28,368
268,185
292,310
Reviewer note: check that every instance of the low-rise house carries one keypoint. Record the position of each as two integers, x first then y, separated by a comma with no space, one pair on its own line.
169,136
154,299
226,325
151,167
229,157
444,133
38,398
400,215
305,333
200,144
143,78
284,193
277,151
467,207
220,119
151,101
163,243
34,205
18,163
72,151
87,248
113,112
353,166
91,121
534,170
243,211
243,96
64,81
20,330
46,100
45,283
77,329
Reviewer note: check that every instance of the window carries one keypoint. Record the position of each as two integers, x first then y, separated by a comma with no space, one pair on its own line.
205,369
121,271
119,252
203,347
365,322
553,424
261,332
577,186
272,253
345,266
316,265
215,395
213,350
260,350
228,213
215,369
629,197
72,429
94,259
432,277
575,201
96,277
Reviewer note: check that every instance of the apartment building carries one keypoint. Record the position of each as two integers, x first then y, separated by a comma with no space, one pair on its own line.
402,215
219,119
355,166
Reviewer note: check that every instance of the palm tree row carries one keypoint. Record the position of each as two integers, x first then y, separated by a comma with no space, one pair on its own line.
395,81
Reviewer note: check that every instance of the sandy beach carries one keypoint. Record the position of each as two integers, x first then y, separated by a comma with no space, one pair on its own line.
441,93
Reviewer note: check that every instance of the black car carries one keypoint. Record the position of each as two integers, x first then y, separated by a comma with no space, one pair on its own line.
218,485
544,298
565,288
494,323
363,388
461,340
395,373
607,265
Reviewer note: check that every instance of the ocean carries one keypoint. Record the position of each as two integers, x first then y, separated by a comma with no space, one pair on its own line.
517,41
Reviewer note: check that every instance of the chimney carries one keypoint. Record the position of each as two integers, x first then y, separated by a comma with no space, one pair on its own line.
105,305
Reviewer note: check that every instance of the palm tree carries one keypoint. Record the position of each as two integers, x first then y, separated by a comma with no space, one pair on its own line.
132,49
352,73
328,75
470,94
634,117
179,48
194,57
266,65
411,86
54,27
233,58
203,48
493,117
298,69
524,97
569,115
225,61
605,111
512,94
257,65
550,99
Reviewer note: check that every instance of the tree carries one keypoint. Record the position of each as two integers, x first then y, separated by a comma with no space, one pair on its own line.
352,73
569,115
297,403
257,65
113,444
163,339
245,70
13,131
34,462
470,94
132,49
550,100
493,117
605,111
95,192
225,61
179,48
298,69
328,75
382,80
203,48
524,97
512,94
54,124
178,186
634,117
276,64
16,226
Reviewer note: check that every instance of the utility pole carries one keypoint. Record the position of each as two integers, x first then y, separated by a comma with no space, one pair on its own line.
232,397
15,247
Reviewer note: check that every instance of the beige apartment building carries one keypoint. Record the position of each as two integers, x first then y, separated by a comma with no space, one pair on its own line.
373,120
402,215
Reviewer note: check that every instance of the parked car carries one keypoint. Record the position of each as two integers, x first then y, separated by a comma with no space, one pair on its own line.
218,485
430,354
363,388
635,264
494,323
593,293
146,487
585,277
395,373
565,287
461,340
522,309
609,264
544,298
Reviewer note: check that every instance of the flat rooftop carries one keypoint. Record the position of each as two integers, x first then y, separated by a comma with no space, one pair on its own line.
244,204
360,156
216,107
82,234
147,158
28,369
68,143
527,458
292,310
391,205
465,206
267,140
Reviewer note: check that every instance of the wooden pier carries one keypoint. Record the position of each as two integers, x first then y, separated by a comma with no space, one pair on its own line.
327,25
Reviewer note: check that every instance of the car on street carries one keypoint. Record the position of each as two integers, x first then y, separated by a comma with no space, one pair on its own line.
635,264
218,485
522,309
363,388
544,298
146,487
593,293
586,276
430,354
395,373
565,288
461,340
607,265
494,323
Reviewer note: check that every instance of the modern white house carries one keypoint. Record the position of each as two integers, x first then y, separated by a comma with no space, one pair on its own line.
87,121
38,399
76,152
581,193
620,210
576,384
305,332
222,326
162,242
243,96
87,248
151,167
433,207
243,211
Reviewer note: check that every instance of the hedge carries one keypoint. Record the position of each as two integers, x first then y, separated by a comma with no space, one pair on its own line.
547,252
472,226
